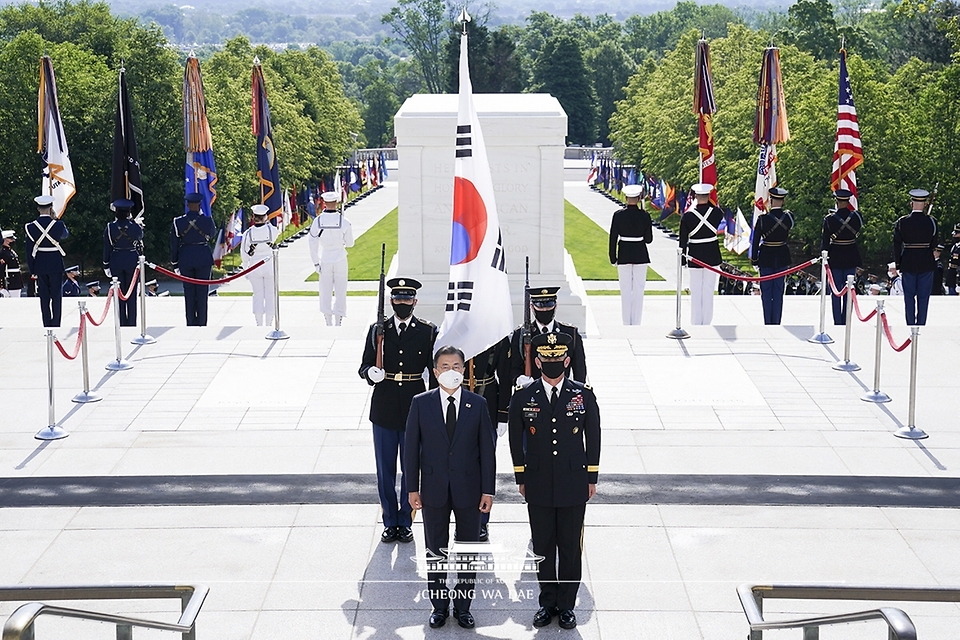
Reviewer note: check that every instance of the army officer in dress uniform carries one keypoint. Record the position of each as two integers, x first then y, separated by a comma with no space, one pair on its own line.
698,239
407,353
771,253
914,241
192,257
45,258
839,239
555,446
543,305
630,232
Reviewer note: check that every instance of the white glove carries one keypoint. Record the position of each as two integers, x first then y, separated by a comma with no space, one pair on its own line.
501,429
524,381
176,271
317,265
375,375
107,271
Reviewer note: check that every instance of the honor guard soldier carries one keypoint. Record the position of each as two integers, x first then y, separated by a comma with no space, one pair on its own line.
45,258
93,289
953,262
543,303
151,286
71,288
122,247
192,257
630,232
914,243
406,352
896,282
555,447
839,239
771,253
11,280
257,244
698,239
937,271
331,234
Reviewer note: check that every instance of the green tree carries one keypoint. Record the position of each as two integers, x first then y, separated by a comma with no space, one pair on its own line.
561,72
420,25
380,105
611,68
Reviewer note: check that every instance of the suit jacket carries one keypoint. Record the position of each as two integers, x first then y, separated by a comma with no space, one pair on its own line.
409,356
556,452
464,468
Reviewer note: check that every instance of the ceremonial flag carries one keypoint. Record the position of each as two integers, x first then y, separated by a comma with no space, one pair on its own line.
221,248
478,312
705,106
286,216
737,238
233,234
57,178
201,172
769,129
125,180
766,179
383,166
354,178
847,150
268,169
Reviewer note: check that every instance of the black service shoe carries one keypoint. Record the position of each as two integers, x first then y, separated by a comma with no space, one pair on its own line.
404,534
438,618
567,619
543,616
484,535
464,619
389,534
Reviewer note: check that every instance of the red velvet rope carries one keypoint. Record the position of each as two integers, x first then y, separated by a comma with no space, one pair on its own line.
833,285
106,310
133,283
886,330
772,276
856,307
181,278
76,349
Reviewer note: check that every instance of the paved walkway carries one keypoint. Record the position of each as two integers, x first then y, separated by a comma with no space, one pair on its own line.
752,410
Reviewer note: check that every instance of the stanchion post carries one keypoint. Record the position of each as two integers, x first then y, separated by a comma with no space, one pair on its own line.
876,395
85,395
845,364
822,337
119,364
53,431
910,432
276,334
143,338
679,333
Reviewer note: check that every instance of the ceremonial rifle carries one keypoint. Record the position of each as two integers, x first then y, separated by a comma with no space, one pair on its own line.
381,320
933,196
527,331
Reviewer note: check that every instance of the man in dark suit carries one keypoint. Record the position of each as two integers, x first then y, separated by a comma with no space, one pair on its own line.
543,304
841,228
771,253
450,466
630,232
45,259
914,242
555,447
407,353
191,256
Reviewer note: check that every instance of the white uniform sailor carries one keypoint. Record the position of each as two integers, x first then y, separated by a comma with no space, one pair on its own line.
330,236
257,245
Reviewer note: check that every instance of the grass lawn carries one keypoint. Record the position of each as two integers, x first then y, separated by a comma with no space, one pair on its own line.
363,259
589,246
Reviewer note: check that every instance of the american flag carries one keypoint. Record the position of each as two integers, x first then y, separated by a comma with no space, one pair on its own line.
847,150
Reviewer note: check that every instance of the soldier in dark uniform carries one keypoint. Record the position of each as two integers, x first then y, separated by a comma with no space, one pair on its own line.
937,272
45,258
71,288
771,253
93,289
839,240
122,245
490,371
914,241
630,232
953,262
543,304
11,280
698,239
407,352
191,256
555,446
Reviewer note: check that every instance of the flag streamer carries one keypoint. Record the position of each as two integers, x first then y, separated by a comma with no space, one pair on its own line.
57,179
770,125
704,105
201,171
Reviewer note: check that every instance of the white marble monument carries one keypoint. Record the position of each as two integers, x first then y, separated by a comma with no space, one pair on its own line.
524,135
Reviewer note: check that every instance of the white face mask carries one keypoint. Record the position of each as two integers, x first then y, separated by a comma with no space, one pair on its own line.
450,379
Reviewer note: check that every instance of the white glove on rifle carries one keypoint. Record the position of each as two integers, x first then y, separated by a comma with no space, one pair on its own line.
375,375
524,381
501,429
107,271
